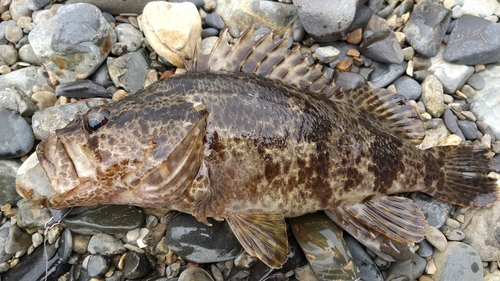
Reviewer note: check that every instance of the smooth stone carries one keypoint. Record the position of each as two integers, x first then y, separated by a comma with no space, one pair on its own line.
486,103
174,39
452,124
97,265
19,8
327,54
385,74
136,265
244,13
16,136
215,21
476,81
17,240
455,235
82,89
469,129
80,243
436,212
435,134
65,245
105,244
483,8
3,25
73,43
382,46
467,43
425,249
116,7
13,33
129,71
432,96
408,87
101,76
325,250
47,121
365,263
458,261
208,32
426,27
4,236
406,270
32,216
452,76
482,228
36,4
327,20
436,238
24,79
34,181
198,3
27,54
130,36
8,170
195,274
9,54
485,129
111,219
194,241
35,267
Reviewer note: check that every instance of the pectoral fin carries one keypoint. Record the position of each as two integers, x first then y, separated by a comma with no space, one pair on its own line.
262,236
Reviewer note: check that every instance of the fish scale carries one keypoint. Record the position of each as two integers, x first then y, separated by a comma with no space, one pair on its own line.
253,139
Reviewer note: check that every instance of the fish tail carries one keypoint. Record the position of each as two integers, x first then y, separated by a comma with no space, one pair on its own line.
464,176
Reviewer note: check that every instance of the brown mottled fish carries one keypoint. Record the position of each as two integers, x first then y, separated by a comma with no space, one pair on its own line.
252,134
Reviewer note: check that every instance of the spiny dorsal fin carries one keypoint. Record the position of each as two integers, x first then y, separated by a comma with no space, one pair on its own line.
388,107
267,58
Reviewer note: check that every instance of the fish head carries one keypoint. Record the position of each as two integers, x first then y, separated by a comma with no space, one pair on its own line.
136,152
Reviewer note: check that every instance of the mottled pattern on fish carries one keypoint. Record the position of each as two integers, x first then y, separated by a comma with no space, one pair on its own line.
253,150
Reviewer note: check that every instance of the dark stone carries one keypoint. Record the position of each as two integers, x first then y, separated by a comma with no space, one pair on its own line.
78,273
363,15
406,270
382,46
405,7
194,241
451,123
18,240
66,246
436,211
4,236
198,3
34,267
98,265
473,41
82,89
129,71
16,135
207,32
8,170
385,74
348,80
469,129
476,81
408,87
366,265
215,21
426,27
116,7
425,249
136,265
111,219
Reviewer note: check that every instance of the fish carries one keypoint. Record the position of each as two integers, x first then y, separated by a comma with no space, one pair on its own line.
254,133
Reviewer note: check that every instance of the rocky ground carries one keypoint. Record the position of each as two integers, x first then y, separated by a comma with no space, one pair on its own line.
441,55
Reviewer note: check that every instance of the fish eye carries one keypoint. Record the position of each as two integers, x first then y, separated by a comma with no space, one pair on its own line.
95,119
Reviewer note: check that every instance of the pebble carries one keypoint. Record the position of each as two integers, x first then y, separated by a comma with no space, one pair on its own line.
16,135
82,89
9,54
327,54
425,249
406,270
129,71
365,263
481,227
136,265
97,265
432,96
476,81
408,87
469,129
458,261
382,46
436,238
130,36
195,274
105,244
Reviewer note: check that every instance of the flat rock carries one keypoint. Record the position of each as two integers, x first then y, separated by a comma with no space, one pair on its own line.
172,29
482,227
116,7
195,273
473,41
406,270
382,46
243,13
385,74
8,170
327,20
16,136
483,8
432,96
73,43
408,87
24,79
129,71
426,27
458,261
105,244
436,211
452,76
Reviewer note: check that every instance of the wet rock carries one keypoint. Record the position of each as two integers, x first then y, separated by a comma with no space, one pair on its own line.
432,96
199,243
111,219
31,215
116,7
482,227
136,265
65,246
485,105
176,38
243,13
367,268
129,71
73,43
467,44
4,237
105,244
195,273
324,247
82,89
97,265
16,136
426,27
17,240
382,46
458,261
469,129
408,87
327,54
8,170
327,20
406,270
385,74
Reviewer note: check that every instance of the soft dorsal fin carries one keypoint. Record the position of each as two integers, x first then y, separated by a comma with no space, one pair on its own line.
276,60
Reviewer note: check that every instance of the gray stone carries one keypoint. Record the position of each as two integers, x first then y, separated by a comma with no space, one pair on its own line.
17,240
116,7
8,170
98,265
368,268
385,74
482,228
19,8
483,8
83,89
32,216
476,81
406,270
432,96
451,123
215,21
459,261
327,54
208,32
24,79
436,212
327,20
73,43
436,238
469,129
382,46
408,87
452,76
101,76
130,36
195,273
4,234
426,27
16,136
243,13
425,249
8,53
37,4
27,54
473,41
105,244
136,265
129,71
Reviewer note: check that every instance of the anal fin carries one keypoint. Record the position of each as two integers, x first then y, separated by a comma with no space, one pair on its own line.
262,236
398,218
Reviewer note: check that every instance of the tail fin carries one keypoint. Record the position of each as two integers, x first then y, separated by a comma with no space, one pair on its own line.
466,181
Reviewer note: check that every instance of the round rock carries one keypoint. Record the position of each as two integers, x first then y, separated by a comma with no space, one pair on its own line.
195,273
136,265
129,35
97,265
458,261
408,87
16,135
